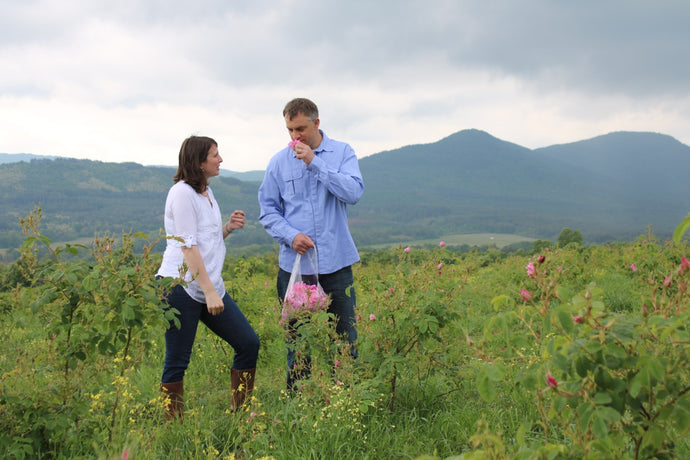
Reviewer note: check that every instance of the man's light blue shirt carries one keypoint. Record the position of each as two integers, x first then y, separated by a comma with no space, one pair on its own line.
296,198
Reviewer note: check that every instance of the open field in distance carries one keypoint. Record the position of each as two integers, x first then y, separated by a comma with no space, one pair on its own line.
471,239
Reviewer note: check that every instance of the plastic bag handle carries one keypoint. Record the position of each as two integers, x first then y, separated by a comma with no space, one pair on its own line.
313,258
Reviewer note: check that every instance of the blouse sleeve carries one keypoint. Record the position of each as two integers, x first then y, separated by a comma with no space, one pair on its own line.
184,215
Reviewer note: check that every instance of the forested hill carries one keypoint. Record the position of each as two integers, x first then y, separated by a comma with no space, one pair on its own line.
610,188
80,198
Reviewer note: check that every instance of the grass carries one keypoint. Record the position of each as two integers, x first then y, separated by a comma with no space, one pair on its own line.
438,408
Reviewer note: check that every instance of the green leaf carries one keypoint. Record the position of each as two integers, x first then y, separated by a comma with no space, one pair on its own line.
527,379
559,404
593,347
501,302
89,283
583,365
485,387
561,362
681,229
639,381
681,418
600,428
488,327
490,373
127,312
495,371
585,412
608,414
44,239
602,398
28,242
653,439
578,301
656,369
566,321
603,378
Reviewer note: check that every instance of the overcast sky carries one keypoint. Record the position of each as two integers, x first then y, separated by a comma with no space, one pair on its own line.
128,80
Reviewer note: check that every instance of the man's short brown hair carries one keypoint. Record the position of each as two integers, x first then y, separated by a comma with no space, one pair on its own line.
301,105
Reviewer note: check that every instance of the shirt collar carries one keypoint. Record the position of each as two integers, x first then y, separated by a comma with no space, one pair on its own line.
325,144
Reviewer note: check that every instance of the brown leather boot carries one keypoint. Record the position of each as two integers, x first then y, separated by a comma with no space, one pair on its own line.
174,403
242,383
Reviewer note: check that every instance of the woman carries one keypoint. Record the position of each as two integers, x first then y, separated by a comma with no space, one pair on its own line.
195,250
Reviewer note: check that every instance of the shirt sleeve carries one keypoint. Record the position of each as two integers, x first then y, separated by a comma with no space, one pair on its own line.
345,183
272,215
184,216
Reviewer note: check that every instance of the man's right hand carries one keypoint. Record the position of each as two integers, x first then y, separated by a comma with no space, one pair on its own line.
302,243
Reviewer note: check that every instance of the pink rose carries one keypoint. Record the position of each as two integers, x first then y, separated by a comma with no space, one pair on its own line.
303,298
578,319
526,295
551,381
531,271
684,265
372,317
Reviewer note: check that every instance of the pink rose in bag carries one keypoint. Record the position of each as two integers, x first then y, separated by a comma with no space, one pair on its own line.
304,294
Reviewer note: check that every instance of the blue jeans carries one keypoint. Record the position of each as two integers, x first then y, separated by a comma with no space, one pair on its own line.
230,325
339,285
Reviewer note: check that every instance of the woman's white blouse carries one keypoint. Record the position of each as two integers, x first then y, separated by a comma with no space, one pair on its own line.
191,219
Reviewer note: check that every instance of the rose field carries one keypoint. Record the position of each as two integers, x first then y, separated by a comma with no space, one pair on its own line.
559,352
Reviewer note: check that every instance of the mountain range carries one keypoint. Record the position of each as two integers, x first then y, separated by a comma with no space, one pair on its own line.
612,187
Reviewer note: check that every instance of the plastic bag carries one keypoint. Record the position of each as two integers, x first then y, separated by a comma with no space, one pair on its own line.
304,294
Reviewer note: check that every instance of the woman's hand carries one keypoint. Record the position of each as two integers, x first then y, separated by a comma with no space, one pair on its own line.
196,267
214,303
237,220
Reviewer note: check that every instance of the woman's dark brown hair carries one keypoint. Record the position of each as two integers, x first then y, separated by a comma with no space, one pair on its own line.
193,152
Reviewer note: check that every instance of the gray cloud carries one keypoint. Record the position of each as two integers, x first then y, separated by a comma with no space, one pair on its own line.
385,73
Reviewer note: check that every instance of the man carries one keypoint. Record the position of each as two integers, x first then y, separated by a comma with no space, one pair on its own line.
304,197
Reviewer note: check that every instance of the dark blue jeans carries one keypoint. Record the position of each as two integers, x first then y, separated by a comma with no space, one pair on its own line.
230,325
339,285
